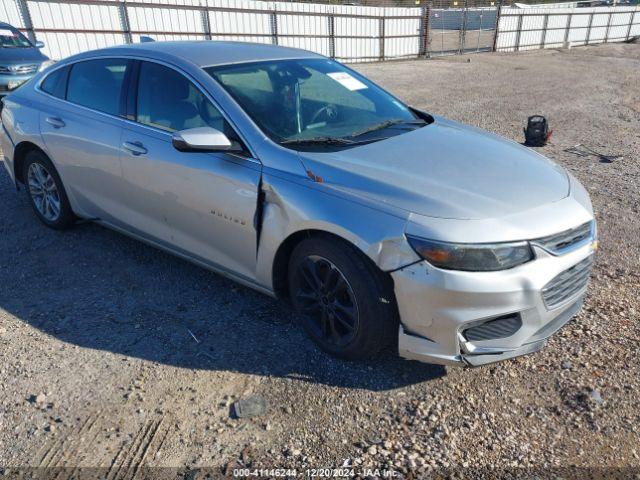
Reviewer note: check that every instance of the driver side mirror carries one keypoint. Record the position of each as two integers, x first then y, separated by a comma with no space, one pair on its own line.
39,44
204,139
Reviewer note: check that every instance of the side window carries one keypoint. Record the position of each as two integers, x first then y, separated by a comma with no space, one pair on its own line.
97,84
169,101
56,83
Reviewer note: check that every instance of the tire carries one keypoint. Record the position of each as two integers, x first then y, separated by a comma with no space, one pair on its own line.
327,313
46,192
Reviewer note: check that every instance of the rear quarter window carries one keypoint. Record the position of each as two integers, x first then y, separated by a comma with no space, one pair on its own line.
56,83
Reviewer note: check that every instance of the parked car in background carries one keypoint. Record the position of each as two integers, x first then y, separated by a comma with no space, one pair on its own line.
19,58
297,176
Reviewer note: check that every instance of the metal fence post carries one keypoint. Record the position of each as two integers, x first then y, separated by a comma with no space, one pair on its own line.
633,16
23,9
497,27
568,29
206,24
545,23
273,22
425,15
589,29
518,32
124,21
481,15
606,33
332,36
381,36
463,28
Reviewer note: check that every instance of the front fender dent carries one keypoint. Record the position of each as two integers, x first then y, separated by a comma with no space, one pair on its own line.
296,205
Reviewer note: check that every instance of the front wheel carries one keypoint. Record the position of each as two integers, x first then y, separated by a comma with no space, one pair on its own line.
46,192
346,304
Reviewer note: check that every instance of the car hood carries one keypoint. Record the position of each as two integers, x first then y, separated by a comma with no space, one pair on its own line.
445,170
9,56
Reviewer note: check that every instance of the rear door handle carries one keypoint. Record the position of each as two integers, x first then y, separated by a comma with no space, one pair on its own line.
135,148
55,122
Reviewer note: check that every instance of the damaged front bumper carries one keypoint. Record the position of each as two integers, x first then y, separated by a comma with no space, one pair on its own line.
475,318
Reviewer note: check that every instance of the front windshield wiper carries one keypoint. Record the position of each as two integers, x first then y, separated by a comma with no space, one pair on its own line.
386,124
318,141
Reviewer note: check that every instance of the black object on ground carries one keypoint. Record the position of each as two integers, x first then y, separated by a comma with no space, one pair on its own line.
537,132
250,407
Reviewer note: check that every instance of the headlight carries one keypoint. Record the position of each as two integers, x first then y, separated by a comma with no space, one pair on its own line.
45,64
13,84
481,257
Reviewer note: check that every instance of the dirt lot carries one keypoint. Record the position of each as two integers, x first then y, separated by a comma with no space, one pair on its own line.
116,355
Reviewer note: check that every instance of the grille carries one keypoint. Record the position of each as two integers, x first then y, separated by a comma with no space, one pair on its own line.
501,327
554,325
565,285
563,241
18,69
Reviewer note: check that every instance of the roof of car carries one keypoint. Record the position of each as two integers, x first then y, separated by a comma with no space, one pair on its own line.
207,52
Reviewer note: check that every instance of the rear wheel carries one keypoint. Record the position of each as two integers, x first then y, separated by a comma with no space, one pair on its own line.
346,304
46,192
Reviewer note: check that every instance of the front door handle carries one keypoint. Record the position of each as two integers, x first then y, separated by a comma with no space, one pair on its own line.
55,122
135,148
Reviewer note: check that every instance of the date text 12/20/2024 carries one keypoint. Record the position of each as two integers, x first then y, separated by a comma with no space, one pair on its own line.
343,472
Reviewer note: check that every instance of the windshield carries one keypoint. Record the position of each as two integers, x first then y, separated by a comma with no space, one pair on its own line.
314,102
12,38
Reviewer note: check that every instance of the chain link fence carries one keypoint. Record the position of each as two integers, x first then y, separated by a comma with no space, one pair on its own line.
464,26
349,32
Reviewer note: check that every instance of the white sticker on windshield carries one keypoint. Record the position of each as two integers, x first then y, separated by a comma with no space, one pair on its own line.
4,32
347,81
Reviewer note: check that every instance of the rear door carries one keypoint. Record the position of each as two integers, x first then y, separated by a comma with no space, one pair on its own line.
81,125
200,204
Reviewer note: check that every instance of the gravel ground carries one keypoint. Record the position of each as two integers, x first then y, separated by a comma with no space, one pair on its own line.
116,355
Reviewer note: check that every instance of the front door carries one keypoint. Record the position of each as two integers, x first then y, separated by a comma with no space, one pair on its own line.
201,204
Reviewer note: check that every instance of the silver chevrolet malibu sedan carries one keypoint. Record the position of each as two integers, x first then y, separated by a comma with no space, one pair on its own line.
297,176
